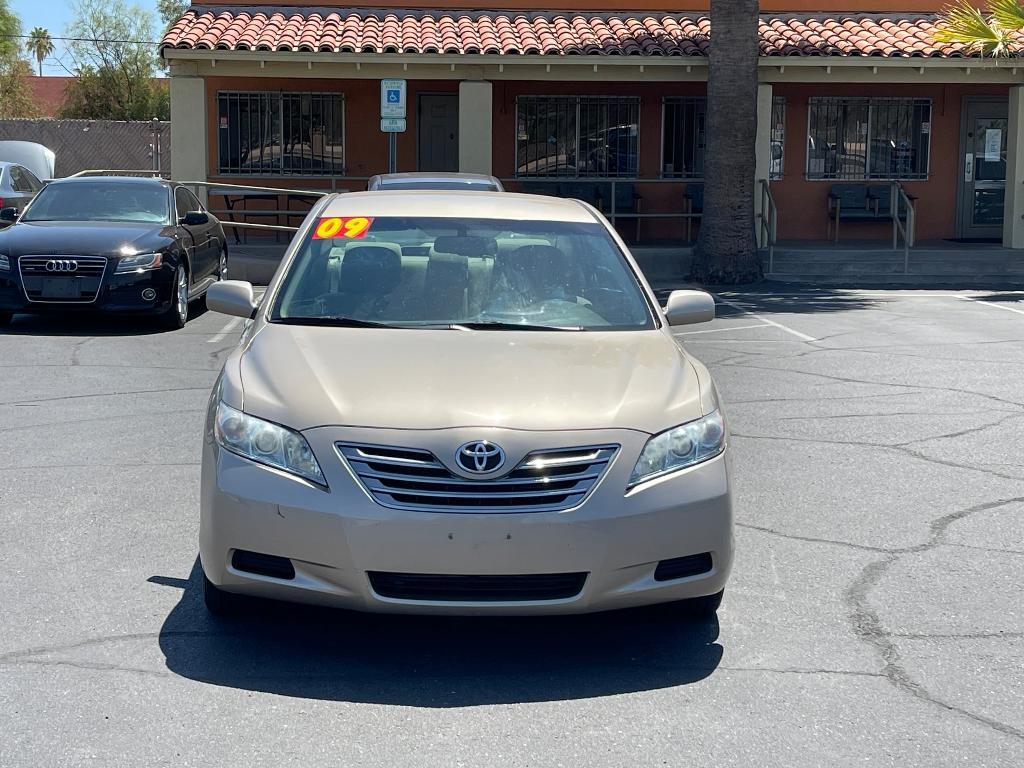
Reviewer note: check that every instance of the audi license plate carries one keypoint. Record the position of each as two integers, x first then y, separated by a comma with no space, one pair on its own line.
60,288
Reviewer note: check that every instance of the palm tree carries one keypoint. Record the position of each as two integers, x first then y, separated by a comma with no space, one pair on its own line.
726,251
40,45
992,34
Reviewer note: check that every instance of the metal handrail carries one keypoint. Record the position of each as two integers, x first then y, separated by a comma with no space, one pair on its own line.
768,224
611,213
898,196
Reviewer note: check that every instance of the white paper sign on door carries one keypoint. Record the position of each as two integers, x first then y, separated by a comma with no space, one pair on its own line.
993,145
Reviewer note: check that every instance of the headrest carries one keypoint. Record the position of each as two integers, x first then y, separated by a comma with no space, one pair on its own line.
371,269
466,245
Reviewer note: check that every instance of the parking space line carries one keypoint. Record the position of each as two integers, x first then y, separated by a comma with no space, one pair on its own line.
720,330
765,320
230,326
991,304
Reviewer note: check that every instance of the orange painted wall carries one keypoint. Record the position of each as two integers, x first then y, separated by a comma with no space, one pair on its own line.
671,6
803,204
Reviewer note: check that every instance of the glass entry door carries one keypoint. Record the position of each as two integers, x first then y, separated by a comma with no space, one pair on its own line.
983,169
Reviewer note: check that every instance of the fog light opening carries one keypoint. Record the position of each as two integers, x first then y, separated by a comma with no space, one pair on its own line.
683,567
148,294
262,564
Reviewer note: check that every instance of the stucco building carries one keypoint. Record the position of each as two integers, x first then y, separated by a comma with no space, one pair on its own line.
575,96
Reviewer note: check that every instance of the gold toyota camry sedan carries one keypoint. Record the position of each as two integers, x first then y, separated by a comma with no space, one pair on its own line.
463,402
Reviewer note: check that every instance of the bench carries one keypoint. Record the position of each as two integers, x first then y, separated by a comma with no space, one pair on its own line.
859,202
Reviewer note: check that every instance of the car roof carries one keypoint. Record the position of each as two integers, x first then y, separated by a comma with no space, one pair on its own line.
457,204
434,176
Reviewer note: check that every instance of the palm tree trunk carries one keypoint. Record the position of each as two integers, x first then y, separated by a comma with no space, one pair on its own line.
726,251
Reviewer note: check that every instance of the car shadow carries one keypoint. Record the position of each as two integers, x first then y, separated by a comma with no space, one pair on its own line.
335,655
91,324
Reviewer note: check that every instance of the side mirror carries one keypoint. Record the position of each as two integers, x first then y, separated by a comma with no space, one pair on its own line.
231,297
686,307
9,214
195,218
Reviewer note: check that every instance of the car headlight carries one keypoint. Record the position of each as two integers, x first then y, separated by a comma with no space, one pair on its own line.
266,443
5,264
680,447
140,262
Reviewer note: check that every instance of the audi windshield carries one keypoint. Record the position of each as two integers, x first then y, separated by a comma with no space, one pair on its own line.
493,274
102,200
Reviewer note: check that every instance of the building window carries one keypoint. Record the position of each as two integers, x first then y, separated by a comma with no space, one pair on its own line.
876,138
778,140
281,133
683,137
577,136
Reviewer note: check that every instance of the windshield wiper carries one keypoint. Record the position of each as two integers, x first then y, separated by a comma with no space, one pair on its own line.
332,321
497,325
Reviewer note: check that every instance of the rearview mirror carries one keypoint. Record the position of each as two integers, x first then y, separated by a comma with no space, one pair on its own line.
9,214
195,218
686,307
231,297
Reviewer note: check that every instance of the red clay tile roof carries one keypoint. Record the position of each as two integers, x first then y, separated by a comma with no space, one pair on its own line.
510,32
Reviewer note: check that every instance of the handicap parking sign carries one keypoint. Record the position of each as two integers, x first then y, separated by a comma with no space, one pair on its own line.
392,98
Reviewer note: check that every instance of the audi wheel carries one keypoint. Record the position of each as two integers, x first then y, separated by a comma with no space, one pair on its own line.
176,315
222,265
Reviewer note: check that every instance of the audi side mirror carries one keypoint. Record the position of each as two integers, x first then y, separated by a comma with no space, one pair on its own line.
195,218
9,214
686,307
231,297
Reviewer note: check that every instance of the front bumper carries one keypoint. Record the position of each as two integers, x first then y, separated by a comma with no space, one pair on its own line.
335,538
113,293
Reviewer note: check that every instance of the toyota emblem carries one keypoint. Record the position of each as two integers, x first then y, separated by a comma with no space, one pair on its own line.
61,265
480,457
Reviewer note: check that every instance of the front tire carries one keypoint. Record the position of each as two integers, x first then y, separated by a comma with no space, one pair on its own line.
176,315
217,601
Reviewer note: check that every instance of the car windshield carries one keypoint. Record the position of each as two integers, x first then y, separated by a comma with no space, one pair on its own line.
100,201
469,274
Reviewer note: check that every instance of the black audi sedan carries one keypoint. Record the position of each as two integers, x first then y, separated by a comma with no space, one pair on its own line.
110,244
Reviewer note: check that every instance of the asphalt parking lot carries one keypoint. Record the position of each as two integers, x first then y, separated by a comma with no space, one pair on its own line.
874,616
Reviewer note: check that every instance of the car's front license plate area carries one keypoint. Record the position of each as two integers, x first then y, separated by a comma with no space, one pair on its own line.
60,288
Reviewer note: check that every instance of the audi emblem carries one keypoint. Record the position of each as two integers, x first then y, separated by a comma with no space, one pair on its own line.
61,265
480,457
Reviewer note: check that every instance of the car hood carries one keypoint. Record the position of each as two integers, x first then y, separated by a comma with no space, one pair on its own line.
307,377
82,238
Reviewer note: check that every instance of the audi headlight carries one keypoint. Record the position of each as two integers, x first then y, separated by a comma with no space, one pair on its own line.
680,447
266,443
140,262
5,264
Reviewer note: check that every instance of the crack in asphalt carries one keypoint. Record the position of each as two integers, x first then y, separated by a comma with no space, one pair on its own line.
869,382
901,448
165,390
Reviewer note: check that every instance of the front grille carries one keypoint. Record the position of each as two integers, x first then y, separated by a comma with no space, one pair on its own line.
412,478
519,588
68,279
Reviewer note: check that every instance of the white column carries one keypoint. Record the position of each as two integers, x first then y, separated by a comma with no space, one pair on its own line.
1013,210
763,149
189,130
475,126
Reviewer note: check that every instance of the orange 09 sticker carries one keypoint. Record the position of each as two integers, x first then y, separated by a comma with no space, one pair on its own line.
352,227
